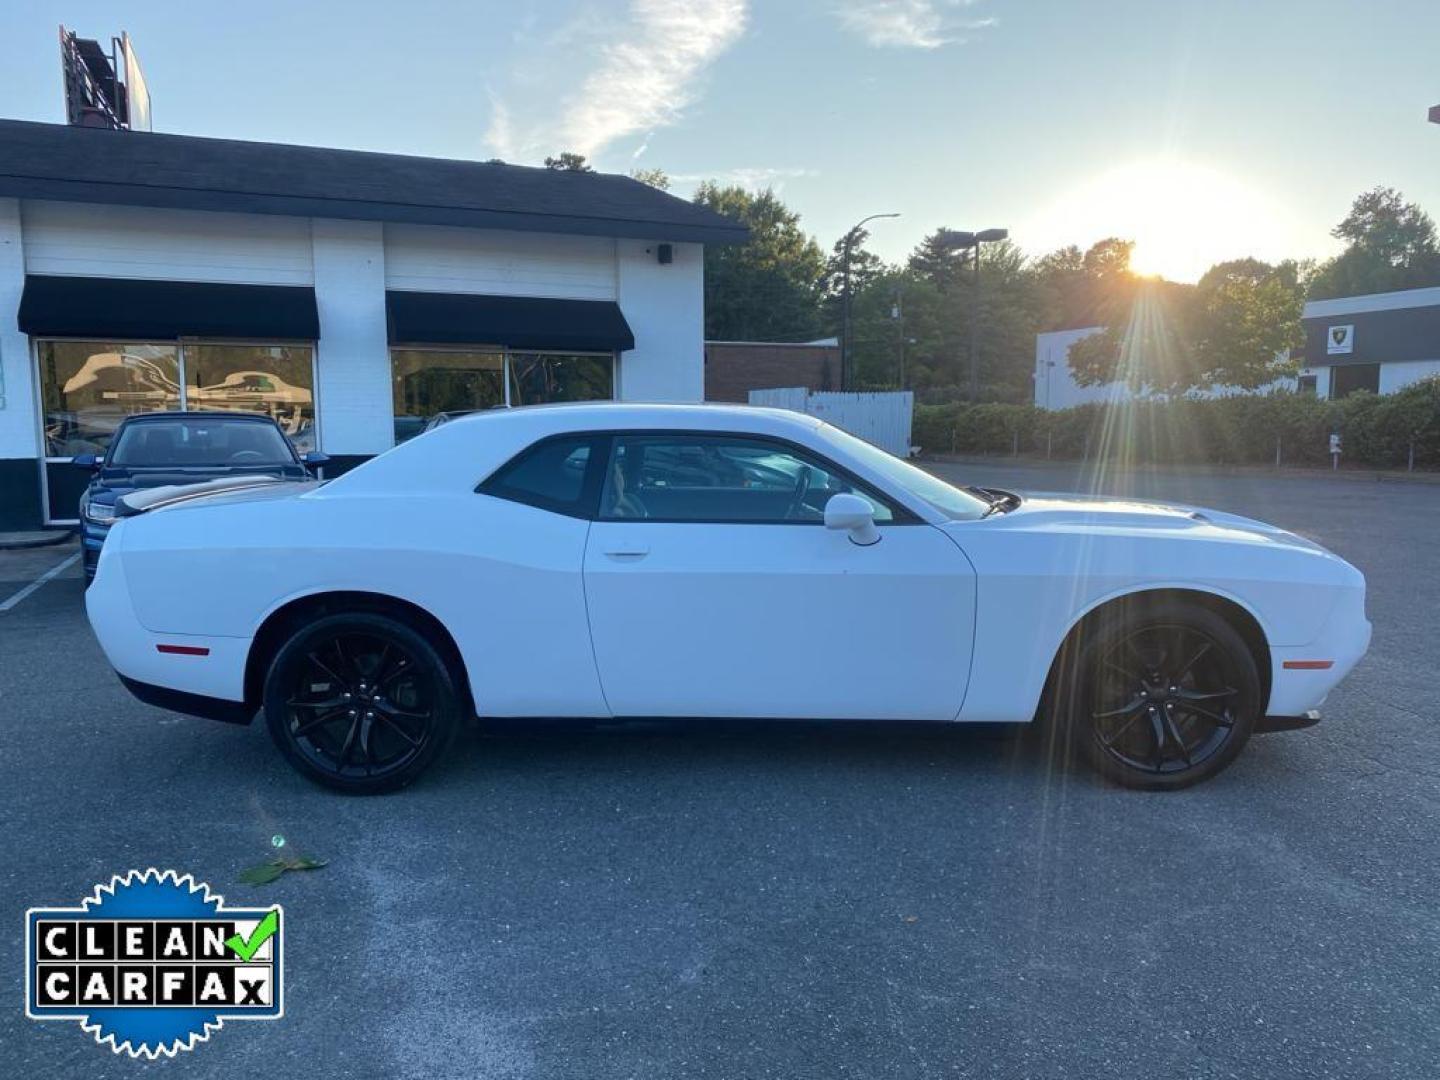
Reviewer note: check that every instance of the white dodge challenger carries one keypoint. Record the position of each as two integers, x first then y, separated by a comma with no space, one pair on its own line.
620,561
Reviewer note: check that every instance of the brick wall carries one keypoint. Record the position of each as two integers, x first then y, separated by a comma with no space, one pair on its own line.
733,369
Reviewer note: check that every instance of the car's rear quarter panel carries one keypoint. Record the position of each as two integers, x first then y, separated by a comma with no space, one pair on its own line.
503,578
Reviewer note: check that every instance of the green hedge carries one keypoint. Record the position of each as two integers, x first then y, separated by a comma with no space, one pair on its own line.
1240,430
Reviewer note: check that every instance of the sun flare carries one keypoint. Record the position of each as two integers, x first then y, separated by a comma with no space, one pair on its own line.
1183,217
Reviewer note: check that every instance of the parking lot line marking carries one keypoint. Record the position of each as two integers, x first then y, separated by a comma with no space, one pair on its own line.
41,580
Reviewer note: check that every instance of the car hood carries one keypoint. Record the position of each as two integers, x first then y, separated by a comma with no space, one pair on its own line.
225,490
1095,513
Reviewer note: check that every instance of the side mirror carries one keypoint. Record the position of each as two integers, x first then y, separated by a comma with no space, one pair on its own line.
313,459
88,461
853,514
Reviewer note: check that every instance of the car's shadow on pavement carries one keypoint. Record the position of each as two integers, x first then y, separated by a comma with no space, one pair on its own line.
519,756
703,751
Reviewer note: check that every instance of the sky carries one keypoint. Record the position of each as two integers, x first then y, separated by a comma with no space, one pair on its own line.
1200,130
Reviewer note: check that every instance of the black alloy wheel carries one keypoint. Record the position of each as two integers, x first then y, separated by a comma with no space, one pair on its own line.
1163,697
361,702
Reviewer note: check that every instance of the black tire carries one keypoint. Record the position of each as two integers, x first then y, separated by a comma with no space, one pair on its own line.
361,702
1156,696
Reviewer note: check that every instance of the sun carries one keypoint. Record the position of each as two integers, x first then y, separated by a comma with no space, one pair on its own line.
1183,216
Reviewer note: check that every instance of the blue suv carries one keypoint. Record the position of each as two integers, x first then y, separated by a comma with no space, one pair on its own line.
154,449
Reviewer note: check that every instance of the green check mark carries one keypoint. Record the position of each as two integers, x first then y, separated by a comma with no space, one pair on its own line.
245,949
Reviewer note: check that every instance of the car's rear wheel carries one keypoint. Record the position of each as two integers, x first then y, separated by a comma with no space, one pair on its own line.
360,702
1158,696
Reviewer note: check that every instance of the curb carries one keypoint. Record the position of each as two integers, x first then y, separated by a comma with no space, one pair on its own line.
19,541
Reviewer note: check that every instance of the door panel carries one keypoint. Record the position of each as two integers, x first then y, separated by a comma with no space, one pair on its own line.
761,620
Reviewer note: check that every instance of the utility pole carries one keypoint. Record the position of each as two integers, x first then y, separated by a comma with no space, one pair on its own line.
897,312
988,236
846,374
845,312
973,390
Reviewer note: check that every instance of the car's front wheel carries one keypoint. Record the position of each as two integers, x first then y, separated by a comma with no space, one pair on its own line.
360,702
1158,696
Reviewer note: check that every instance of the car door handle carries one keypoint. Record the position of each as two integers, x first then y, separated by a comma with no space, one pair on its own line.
627,550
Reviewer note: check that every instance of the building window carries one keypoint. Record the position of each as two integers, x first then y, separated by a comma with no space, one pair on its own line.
1346,379
429,382
274,379
87,387
1306,385
540,378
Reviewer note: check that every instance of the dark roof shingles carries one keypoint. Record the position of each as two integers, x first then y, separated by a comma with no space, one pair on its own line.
142,168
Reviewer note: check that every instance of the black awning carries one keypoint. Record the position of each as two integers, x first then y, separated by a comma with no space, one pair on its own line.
520,322
163,310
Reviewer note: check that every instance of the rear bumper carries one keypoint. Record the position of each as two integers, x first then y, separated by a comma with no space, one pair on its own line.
208,667
207,708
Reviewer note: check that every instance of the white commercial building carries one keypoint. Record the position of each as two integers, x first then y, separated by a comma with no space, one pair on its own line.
1380,343
349,295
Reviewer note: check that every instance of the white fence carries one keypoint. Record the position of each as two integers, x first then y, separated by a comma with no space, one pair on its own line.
883,419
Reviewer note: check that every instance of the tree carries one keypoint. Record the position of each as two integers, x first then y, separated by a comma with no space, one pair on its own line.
656,178
1235,327
568,162
865,266
1008,311
769,288
935,261
1066,296
1078,289
1390,245
1147,340
1248,322
877,329
1108,261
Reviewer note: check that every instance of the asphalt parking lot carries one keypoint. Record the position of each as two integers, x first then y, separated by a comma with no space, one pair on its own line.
784,902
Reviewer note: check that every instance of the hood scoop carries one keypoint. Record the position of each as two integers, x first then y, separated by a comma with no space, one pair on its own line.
147,499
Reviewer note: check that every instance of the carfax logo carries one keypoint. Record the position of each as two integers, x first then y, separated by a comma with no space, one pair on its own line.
153,962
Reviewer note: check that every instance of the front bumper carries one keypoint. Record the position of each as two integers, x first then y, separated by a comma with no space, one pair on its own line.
1301,686
1268,724
92,540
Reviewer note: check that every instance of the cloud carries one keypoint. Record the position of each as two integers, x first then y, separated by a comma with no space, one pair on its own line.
752,179
644,76
501,134
909,24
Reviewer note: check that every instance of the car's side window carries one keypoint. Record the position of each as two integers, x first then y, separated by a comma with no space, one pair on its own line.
722,478
554,474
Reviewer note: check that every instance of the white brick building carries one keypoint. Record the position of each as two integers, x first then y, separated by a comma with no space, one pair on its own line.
349,295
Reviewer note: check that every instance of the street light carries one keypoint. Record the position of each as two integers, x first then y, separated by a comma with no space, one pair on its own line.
849,241
956,240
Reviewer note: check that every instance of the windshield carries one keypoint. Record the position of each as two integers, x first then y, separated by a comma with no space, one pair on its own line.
951,501
199,441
